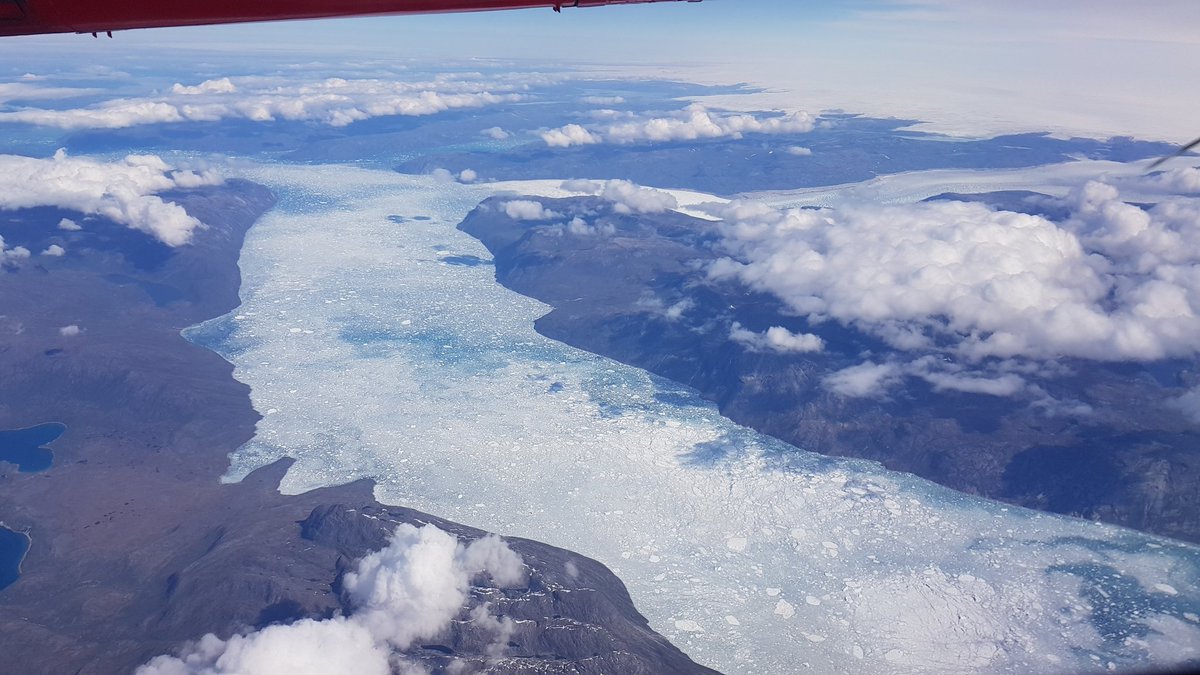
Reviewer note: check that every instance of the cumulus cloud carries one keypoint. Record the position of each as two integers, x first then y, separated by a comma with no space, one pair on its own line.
866,380
1183,180
629,198
442,175
496,133
414,587
1113,282
69,331
24,91
799,151
123,191
580,227
524,209
334,101
625,196
776,339
409,591
672,312
1189,404
223,85
693,123
467,176
571,134
69,225
979,300
306,647
54,251
580,185
676,311
9,255
194,179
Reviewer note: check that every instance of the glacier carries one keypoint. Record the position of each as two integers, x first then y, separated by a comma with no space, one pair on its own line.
371,354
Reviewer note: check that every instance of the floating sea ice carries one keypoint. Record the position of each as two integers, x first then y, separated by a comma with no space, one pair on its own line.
464,404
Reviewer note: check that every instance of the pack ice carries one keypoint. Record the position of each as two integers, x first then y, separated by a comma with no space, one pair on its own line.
371,356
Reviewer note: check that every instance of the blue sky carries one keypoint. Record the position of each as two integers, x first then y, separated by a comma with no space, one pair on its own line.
664,31
976,67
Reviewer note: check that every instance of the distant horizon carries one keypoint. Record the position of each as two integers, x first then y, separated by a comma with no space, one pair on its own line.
1097,69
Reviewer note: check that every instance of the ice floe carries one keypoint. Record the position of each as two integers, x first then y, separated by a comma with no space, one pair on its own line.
376,359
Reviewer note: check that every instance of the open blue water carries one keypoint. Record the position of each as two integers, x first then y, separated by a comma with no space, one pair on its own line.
13,546
26,447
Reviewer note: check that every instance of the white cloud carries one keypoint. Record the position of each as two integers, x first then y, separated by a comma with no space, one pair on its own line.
23,91
54,251
442,175
69,331
776,339
590,187
603,100
122,191
1189,404
414,587
651,303
866,380
524,209
571,134
1111,283
580,227
626,197
69,225
691,124
630,198
409,591
194,179
307,647
334,101
496,133
467,176
1007,384
12,254
1183,180
221,86
676,311
799,151
501,628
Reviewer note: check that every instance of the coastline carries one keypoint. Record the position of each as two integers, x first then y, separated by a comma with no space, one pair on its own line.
141,545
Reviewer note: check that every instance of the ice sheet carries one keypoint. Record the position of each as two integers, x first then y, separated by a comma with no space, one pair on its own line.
912,186
370,356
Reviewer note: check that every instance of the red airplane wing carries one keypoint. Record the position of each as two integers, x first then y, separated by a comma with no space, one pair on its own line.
30,17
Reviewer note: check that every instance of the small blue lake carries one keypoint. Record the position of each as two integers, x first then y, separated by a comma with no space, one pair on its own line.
13,546
25,447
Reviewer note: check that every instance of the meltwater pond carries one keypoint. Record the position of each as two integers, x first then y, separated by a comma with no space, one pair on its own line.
370,354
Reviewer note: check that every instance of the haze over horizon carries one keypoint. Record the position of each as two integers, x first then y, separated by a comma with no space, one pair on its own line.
968,68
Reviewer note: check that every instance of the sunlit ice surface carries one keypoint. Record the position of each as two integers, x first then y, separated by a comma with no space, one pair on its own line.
370,355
